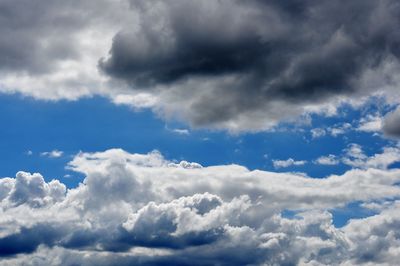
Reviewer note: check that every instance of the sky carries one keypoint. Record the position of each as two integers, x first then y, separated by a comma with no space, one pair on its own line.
184,132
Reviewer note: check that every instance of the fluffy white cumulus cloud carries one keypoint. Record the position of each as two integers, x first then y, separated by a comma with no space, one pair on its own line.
142,209
240,66
30,189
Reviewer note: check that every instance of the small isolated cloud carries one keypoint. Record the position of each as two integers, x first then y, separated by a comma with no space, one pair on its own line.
29,152
287,163
186,165
327,160
334,131
317,133
339,129
181,131
355,157
178,131
370,123
52,154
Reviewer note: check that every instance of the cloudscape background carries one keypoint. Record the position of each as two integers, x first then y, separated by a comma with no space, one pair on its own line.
185,132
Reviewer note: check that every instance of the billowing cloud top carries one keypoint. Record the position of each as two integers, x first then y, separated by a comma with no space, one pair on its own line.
144,210
236,65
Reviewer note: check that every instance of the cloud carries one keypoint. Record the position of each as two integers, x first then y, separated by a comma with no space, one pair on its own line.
371,123
180,131
287,163
36,62
356,157
381,243
311,53
30,189
334,130
219,64
339,129
391,123
52,154
317,132
327,160
140,209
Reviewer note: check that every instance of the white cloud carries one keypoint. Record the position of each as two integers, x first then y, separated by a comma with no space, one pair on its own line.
287,163
181,131
186,165
370,123
327,160
30,189
356,157
334,130
339,129
52,154
137,209
317,132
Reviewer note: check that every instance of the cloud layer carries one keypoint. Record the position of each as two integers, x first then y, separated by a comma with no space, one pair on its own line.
142,209
225,64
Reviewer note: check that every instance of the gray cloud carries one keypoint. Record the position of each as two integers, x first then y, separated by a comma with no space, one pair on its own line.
50,48
228,64
254,56
39,34
142,209
391,123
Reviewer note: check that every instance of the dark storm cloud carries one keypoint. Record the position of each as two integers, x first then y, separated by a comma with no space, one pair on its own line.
291,51
391,124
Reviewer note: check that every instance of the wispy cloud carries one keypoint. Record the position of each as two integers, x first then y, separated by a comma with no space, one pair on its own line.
52,154
327,160
181,131
287,163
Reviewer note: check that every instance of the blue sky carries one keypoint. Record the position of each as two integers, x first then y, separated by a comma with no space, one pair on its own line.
186,132
32,127
95,124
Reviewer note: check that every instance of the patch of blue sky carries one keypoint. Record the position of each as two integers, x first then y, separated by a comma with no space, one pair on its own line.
95,124
340,216
354,210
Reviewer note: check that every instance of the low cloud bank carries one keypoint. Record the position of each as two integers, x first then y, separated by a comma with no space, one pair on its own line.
142,209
